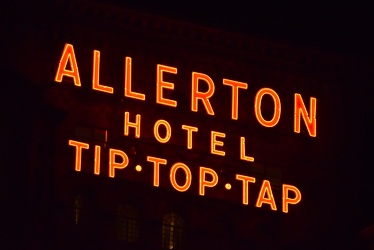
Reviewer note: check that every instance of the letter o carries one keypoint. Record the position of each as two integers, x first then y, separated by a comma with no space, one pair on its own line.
168,131
277,107
173,181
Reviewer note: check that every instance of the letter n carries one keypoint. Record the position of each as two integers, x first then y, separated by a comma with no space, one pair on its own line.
309,119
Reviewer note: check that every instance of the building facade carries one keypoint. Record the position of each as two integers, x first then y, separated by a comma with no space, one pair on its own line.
140,132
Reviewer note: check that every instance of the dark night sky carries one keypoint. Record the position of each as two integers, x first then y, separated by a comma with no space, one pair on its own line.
334,27
340,27
337,26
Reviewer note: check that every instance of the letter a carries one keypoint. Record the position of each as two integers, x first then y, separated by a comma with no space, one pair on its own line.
68,56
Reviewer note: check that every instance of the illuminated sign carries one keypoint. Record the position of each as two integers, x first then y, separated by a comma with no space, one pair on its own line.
207,177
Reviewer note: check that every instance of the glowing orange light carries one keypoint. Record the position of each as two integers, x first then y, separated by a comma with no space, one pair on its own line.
138,168
173,181
309,119
161,84
235,95
189,129
78,152
245,180
242,151
277,107
228,186
156,165
135,125
168,131
95,75
97,160
286,200
113,165
203,96
68,55
266,190
203,182
128,92
214,143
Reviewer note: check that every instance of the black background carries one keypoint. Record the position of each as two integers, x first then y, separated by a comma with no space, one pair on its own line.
333,27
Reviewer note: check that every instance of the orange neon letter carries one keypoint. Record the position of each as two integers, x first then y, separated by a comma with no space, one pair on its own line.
214,143
156,166
203,96
128,92
78,152
189,129
96,75
117,165
242,151
135,125
266,189
286,200
157,134
97,160
173,181
245,180
235,95
161,84
309,119
277,107
68,55
203,182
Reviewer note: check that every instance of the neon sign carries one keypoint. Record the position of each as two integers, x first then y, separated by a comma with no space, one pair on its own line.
208,178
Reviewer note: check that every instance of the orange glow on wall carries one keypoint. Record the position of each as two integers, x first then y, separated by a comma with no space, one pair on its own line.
168,131
68,55
161,85
189,129
203,96
235,95
242,151
214,143
286,200
277,107
309,119
246,180
78,152
203,182
96,75
128,81
156,168
173,180
97,160
135,125
202,91
113,165
269,199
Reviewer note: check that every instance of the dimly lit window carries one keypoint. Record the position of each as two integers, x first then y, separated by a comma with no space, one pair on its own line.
78,204
172,231
93,135
127,223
